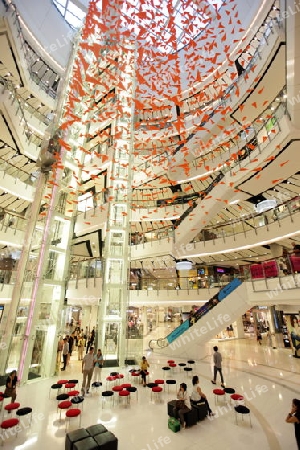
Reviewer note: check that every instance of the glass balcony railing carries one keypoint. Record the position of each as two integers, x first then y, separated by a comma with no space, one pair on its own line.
40,72
21,108
250,222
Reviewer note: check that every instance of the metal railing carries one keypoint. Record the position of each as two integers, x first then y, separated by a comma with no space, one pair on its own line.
31,57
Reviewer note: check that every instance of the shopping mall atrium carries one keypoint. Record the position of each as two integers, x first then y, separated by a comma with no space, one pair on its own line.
150,191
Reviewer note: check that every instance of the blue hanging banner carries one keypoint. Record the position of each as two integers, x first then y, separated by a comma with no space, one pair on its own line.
178,331
236,282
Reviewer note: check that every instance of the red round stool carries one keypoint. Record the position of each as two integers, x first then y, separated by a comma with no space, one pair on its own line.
173,366
125,385
135,376
73,412
110,380
9,424
118,388
159,382
10,407
156,390
63,405
73,393
124,394
119,377
62,381
218,393
70,385
171,361
236,398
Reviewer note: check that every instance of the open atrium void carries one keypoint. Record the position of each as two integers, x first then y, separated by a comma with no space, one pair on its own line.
149,206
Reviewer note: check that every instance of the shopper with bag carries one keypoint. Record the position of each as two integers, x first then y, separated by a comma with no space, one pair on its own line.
98,361
183,404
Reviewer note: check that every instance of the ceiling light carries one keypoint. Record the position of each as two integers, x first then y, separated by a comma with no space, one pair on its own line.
265,205
183,265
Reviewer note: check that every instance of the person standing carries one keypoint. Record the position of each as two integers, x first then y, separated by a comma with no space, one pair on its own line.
269,338
89,343
258,337
217,357
71,344
183,404
60,346
294,417
98,361
65,353
80,343
144,369
11,384
87,370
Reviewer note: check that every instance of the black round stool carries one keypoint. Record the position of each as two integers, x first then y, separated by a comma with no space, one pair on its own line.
107,394
191,362
24,411
96,385
181,365
77,400
132,389
62,397
113,374
73,381
152,385
56,386
165,369
243,410
168,382
229,391
188,370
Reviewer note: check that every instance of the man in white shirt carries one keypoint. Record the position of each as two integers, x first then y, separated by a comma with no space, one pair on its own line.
87,370
65,352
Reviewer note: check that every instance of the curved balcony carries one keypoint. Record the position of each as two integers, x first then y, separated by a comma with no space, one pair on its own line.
255,230
269,40
39,71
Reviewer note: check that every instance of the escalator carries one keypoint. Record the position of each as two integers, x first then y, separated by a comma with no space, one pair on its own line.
188,341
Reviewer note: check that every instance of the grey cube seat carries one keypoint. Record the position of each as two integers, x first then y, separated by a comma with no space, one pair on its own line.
106,441
93,430
86,444
75,436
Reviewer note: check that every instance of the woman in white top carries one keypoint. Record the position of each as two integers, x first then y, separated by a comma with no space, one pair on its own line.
198,396
98,364
184,405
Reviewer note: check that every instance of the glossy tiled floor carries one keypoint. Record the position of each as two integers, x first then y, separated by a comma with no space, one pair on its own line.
268,378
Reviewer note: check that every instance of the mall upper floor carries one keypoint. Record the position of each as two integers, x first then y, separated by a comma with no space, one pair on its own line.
267,145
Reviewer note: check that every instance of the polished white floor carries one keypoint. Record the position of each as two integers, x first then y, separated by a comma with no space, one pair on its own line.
269,379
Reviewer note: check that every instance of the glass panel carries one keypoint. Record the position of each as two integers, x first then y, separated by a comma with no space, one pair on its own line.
16,344
37,351
111,340
73,20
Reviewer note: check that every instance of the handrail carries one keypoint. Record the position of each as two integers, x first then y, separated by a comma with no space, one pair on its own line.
26,106
230,228
248,222
51,91
5,166
197,315
28,131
